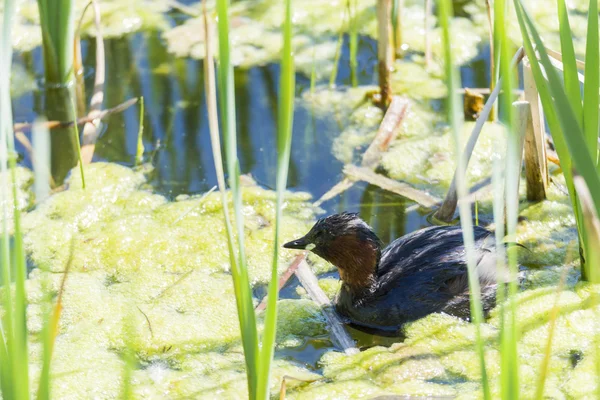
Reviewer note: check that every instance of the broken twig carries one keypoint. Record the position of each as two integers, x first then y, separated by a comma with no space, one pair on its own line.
339,335
91,128
24,127
364,174
284,278
388,130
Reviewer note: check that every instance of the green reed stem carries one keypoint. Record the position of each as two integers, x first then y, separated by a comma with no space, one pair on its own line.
556,99
139,153
57,20
591,101
560,117
571,79
77,142
239,268
128,358
539,392
353,42
456,120
6,132
509,367
285,120
338,49
17,337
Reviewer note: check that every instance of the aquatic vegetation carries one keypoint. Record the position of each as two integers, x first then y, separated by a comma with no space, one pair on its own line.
118,19
21,82
14,343
545,15
120,227
170,357
150,292
414,80
548,229
567,111
437,357
426,162
256,39
358,119
136,255
25,197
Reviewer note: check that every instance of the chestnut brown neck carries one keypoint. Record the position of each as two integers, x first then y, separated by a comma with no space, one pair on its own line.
356,260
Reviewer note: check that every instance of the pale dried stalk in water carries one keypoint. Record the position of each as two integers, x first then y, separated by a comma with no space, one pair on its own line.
90,129
388,130
364,174
23,127
536,167
384,50
446,211
339,335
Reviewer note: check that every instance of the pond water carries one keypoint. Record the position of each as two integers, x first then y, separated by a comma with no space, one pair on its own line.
176,136
177,145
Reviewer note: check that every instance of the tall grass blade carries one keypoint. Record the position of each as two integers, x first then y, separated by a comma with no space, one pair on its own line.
591,84
564,112
7,347
556,126
498,183
239,271
41,165
509,366
19,353
285,116
50,331
455,116
58,29
499,15
129,360
592,225
139,153
570,66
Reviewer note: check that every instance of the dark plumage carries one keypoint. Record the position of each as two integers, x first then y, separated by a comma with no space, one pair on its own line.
416,275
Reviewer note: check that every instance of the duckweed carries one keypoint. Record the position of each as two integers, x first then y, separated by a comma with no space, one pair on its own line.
118,19
25,197
427,161
438,357
123,230
256,38
142,261
139,257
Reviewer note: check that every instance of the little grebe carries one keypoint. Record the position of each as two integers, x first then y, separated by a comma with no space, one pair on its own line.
416,275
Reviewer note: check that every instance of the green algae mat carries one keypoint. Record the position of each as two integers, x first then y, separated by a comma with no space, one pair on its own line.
150,276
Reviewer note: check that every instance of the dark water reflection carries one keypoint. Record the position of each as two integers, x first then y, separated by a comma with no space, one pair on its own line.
176,136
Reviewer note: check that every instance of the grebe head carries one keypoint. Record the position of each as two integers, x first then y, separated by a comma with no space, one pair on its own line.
347,242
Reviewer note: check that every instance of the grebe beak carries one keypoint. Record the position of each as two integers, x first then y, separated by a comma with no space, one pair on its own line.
299,244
